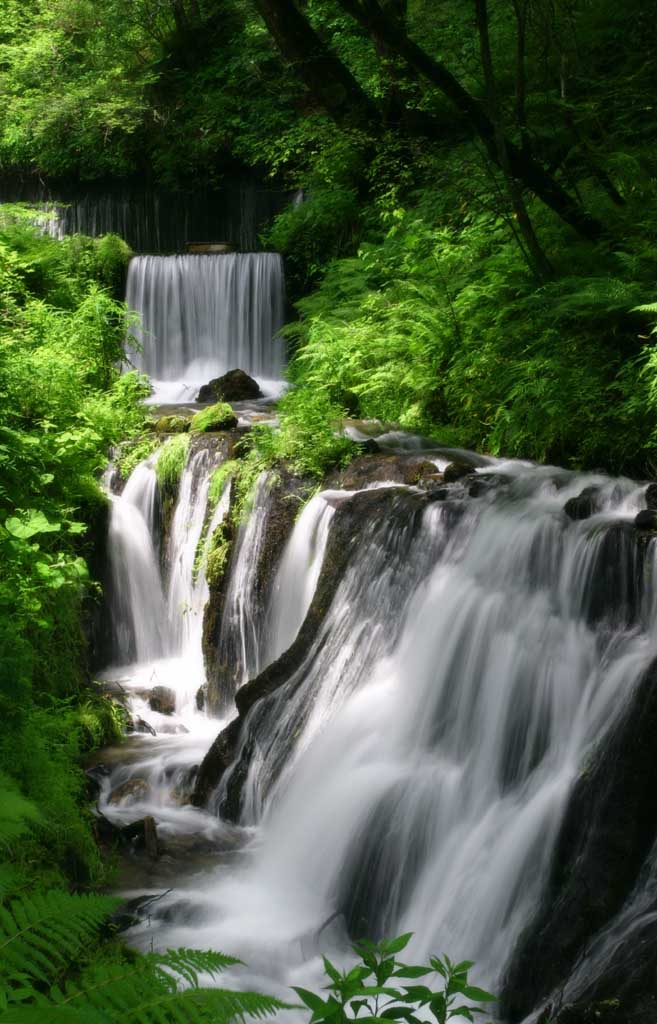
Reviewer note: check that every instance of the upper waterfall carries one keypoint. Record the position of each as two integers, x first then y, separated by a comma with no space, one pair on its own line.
204,315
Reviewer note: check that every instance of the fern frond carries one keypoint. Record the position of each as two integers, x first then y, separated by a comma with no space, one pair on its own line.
16,812
42,934
189,963
147,993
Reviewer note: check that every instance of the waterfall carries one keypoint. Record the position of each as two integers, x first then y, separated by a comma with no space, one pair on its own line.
297,575
241,639
413,771
204,315
137,607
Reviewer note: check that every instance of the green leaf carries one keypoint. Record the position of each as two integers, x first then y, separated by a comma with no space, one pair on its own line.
411,972
396,945
34,523
313,1001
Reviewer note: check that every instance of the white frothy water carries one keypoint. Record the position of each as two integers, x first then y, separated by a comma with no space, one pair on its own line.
297,575
413,773
138,609
204,315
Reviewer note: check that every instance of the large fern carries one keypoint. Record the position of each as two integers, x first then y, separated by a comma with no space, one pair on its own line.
41,941
41,935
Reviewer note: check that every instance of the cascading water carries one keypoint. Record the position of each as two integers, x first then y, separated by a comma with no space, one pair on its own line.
413,771
204,315
297,575
138,615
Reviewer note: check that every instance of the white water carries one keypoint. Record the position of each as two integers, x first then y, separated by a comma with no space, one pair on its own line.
416,776
204,315
297,576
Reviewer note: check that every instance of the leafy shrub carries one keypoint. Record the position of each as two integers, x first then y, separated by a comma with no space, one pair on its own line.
377,988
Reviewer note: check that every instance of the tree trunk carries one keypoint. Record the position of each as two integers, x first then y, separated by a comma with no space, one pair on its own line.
537,258
324,75
522,166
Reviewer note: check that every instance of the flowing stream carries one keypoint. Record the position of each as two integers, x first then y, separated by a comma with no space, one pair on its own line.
412,770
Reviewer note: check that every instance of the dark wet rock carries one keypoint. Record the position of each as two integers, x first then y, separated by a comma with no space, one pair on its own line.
200,698
140,725
95,776
232,749
646,519
132,911
172,424
368,447
163,700
457,470
410,469
606,835
113,689
584,504
617,576
234,386
223,663
132,791
650,494
608,1011
142,834
485,482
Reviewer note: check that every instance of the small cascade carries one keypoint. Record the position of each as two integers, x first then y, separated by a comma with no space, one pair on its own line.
204,315
163,766
297,575
137,607
242,639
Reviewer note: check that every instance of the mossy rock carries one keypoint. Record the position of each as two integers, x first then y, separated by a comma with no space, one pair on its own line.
172,425
216,417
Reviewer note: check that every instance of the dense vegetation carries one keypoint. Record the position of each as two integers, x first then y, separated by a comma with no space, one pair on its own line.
479,183
63,403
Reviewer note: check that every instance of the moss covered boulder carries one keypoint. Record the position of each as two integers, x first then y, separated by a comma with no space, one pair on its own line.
172,425
216,417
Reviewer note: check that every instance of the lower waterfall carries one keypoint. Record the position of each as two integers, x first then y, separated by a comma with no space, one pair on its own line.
414,766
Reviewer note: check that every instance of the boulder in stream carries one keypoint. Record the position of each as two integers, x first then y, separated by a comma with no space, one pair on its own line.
457,470
172,424
162,700
234,386
132,791
219,416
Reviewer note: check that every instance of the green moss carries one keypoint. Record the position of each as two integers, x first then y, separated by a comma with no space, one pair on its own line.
216,417
171,462
134,452
218,554
172,425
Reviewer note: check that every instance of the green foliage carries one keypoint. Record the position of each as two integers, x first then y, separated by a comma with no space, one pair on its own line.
445,331
171,463
49,973
217,554
376,989
219,416
131,453
63,402
220,477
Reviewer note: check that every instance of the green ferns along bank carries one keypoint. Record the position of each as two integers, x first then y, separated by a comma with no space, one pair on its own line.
62,404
